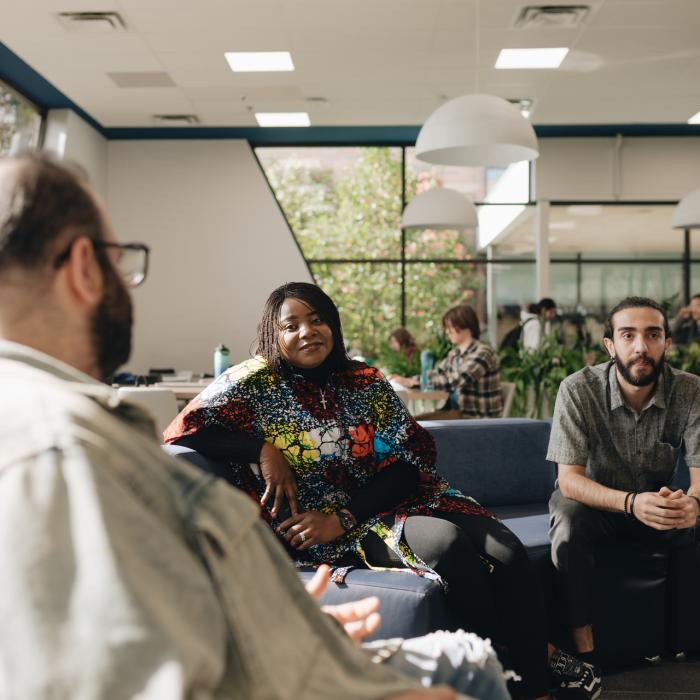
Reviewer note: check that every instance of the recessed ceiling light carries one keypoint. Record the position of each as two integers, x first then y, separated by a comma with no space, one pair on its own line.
283,119
259,61
514,59
695,119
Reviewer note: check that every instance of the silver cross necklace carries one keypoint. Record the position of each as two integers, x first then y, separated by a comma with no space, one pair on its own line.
323,398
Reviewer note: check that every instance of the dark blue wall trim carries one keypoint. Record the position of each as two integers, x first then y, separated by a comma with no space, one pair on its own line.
306,136
21,76
601,130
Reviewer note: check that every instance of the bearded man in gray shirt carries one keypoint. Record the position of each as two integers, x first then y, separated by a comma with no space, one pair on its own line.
617,430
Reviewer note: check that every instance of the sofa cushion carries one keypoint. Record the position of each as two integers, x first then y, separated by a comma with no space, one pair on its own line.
497,461
410,605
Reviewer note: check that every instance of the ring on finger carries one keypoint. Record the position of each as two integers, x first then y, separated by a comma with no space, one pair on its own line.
302,537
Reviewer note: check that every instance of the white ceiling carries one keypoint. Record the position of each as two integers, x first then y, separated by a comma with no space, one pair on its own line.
376,62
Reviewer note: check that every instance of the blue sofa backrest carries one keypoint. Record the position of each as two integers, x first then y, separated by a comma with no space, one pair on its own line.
500,461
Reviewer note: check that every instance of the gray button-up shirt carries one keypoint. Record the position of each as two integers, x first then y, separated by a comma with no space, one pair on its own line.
594,427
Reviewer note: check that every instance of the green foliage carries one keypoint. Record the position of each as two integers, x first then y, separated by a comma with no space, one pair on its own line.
398,362
16,118
685,357
538,374
354,212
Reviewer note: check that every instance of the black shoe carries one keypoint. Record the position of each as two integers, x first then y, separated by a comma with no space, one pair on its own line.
574,678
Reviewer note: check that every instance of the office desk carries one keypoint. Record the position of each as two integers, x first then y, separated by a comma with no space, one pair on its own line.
423,401
185,391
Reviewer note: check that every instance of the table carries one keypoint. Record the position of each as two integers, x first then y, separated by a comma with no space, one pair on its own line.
184,391
415,400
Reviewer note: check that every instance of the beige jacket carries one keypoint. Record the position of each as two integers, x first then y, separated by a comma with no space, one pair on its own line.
125,573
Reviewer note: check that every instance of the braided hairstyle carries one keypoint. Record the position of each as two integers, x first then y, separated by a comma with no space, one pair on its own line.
269,327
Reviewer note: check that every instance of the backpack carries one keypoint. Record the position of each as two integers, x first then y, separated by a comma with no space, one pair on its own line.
512,338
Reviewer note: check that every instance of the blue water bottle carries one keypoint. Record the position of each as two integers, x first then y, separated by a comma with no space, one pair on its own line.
222,359
427,361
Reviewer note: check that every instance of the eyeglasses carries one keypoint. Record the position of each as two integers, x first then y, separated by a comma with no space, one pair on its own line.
132,262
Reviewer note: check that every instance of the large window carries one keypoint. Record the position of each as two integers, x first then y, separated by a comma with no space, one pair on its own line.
20,122
344,207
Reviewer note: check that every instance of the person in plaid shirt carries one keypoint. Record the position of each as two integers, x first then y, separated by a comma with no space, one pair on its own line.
469,371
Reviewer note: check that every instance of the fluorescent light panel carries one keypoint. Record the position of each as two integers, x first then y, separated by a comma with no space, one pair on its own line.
283,119
259,61
514,59
695,119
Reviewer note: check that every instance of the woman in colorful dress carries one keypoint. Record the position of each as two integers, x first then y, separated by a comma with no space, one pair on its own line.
346,476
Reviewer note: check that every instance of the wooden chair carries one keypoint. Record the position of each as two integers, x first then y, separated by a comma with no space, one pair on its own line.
508,393
160,403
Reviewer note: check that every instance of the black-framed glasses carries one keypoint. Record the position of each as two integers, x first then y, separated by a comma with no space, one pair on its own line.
132,262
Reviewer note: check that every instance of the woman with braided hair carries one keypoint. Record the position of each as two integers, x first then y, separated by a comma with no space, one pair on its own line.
346,476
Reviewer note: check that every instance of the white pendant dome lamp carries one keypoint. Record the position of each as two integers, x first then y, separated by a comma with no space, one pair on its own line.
476,130
440,208
687,212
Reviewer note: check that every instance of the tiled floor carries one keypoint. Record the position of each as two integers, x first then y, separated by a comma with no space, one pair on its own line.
668,680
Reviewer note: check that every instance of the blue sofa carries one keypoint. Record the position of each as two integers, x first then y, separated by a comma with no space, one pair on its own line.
645,601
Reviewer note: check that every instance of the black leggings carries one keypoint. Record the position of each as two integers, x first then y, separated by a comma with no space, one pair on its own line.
505,605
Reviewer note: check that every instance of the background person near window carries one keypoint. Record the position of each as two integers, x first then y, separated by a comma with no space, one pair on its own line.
401,341
535,333
686,326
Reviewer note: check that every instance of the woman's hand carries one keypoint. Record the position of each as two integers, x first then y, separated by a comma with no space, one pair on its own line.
279,479
312,527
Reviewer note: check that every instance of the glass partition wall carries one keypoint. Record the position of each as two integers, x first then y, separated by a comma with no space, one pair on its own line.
20,122
344,207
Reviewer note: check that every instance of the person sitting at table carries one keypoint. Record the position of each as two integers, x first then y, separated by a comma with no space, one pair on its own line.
402,342
469,371
346,476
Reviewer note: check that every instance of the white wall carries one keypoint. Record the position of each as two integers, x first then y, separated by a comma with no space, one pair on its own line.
634,168
219,246
72,138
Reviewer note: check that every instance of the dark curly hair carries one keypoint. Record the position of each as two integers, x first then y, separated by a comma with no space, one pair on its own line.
634,303
315,298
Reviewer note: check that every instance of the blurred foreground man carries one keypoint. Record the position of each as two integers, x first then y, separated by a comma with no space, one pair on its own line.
124,572
617,430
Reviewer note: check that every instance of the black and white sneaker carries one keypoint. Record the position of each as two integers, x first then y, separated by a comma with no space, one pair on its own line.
574,678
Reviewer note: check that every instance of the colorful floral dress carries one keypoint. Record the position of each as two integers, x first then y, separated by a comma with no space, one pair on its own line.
335,439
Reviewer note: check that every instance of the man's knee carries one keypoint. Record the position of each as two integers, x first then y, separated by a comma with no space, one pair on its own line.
572,526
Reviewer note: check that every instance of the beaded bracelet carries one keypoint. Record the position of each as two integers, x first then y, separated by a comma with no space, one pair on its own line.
632,515
626,506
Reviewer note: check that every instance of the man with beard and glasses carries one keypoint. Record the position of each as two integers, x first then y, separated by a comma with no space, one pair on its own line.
616,434
126,572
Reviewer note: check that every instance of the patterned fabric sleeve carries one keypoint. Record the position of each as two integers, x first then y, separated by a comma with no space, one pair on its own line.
226,403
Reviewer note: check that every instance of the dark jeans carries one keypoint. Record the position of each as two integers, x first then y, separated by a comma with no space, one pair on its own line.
504,605
574,530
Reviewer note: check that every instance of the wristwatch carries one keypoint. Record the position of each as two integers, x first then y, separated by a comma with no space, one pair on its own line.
347,519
